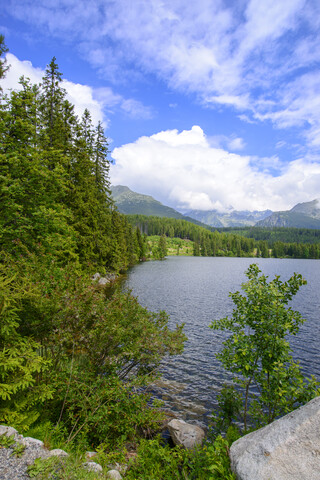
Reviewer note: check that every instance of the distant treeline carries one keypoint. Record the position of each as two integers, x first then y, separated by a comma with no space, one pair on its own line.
276,234
225,243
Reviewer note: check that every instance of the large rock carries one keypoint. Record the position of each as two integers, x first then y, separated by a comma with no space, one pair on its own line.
287,449
184,434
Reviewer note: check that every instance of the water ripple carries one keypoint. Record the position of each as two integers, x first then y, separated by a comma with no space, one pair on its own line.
194,291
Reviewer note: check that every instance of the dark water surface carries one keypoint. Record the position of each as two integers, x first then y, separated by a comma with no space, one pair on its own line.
194,291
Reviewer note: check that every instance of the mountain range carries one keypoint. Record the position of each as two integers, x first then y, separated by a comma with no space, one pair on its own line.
233,218
302,215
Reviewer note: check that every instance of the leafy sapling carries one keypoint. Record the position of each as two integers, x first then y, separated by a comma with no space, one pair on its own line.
258,352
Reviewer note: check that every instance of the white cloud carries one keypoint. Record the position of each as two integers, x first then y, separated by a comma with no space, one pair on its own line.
236,143
251,55
18,69
135,109
232,142
81,96
184,170
97,101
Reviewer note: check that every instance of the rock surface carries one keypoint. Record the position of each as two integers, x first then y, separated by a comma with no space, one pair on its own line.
287,449
13,467
184,434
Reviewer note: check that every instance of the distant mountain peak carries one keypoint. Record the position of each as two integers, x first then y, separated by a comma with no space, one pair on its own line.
133,203
302,215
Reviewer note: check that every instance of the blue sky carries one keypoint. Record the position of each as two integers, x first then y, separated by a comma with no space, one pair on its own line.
206,104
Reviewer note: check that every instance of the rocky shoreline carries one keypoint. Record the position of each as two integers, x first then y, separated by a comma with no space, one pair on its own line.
18,453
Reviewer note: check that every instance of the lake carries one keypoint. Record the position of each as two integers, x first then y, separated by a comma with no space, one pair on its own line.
194,291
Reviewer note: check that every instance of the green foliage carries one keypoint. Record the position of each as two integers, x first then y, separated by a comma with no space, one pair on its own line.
6,441
156,461
52,435
3,49
20,365
65,468
286,242
19,449
228,413
258,351
159,251
103,351
239,242
54,184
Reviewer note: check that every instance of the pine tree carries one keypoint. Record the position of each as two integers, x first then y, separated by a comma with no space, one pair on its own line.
52,102
30,193
102,165
3,50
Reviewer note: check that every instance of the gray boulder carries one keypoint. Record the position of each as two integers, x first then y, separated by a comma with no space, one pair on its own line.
287,449
184,434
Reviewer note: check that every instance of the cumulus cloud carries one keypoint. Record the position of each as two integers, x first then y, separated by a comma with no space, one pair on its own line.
185,170
229,53
18,69
236,143
97,101
81,96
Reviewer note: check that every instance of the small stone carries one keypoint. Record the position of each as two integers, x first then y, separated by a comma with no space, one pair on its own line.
91,454
114,475
92,467
184,434
57,452
96,277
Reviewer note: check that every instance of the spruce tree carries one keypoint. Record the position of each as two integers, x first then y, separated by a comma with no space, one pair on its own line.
3,50
52,101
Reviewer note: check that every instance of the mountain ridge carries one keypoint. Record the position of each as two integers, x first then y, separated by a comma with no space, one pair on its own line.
131,203
302,215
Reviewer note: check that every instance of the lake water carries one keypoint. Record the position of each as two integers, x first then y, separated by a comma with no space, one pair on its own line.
194,291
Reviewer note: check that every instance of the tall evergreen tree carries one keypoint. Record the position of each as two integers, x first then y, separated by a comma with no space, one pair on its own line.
3,50
52,100
102,165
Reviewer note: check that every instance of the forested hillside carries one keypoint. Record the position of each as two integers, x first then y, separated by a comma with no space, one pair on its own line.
223,243
133,203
